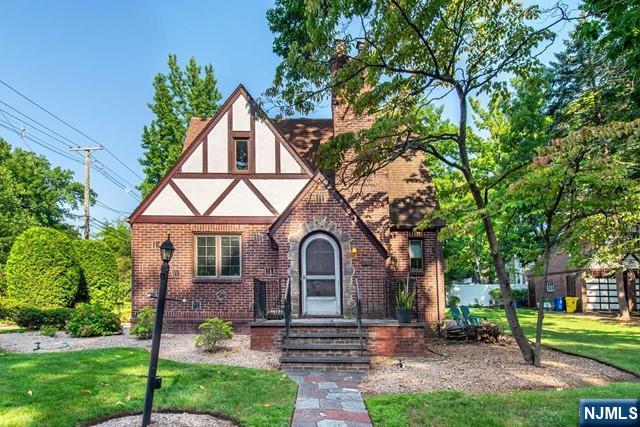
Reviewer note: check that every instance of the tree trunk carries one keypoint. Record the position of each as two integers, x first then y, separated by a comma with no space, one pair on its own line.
540,300
498,261
622,296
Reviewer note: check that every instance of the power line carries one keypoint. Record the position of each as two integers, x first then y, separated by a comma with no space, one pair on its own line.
67,124
103,169
40,143
127,186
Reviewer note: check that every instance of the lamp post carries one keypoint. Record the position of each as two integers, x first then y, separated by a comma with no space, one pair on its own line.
154,382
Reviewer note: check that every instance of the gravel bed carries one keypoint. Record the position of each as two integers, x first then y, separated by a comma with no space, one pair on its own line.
480,368
178,347
168,420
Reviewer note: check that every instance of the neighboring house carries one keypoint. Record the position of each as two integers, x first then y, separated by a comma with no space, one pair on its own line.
594,286
248,210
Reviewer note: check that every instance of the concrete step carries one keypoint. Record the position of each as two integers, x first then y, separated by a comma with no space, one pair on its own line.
328,335
350,363
327,346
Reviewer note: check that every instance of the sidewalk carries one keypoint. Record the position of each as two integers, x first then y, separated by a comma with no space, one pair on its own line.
329,399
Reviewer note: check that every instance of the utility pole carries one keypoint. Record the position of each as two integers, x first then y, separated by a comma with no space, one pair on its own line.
87,167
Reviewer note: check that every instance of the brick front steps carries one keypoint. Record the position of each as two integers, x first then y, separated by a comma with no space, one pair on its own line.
336,344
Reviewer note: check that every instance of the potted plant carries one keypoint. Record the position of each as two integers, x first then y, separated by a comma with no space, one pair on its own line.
405,299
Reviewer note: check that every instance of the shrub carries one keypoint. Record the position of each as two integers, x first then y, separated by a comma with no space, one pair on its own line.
34,318
42,270
48,331
454,300
144,323
92,320
99,272
521,295
213,330
496,294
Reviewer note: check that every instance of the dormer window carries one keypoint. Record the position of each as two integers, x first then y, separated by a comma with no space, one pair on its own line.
241,155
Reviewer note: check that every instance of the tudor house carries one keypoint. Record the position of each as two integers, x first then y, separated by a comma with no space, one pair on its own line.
250,214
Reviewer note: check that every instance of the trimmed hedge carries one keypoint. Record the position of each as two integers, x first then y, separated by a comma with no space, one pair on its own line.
42,269
33,318
99,273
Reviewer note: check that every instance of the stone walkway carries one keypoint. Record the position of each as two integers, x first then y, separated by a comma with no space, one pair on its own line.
329,399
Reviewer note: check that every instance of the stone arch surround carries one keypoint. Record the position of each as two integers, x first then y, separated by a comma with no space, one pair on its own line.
344,240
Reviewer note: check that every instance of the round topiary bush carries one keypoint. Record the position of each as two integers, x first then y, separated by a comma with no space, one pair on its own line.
99,272
42,269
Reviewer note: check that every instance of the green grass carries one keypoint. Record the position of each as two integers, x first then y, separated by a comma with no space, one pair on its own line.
6,328
598,338
63,389
606,340
528,408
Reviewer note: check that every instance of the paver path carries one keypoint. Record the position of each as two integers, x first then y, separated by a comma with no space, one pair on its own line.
329,399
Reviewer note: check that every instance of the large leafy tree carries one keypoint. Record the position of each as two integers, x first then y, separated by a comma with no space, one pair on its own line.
180,94
32,193
413,53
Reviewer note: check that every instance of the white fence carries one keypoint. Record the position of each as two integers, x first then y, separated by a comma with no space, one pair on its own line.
476,293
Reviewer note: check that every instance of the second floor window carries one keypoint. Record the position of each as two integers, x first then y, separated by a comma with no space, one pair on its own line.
242,155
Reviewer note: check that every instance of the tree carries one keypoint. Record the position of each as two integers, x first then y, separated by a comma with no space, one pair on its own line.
179,96
42,269
614,26
32,193
117,237
99,270
413,53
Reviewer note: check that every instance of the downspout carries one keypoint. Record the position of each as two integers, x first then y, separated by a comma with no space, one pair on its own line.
437,281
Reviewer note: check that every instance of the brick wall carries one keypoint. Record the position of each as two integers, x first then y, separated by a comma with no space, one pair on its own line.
368,264
231,299
382,340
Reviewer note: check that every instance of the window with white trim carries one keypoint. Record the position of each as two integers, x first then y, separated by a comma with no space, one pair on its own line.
550,286
217,256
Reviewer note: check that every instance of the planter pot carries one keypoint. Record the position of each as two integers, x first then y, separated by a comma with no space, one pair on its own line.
404,315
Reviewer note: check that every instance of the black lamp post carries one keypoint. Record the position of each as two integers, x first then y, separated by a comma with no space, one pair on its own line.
154,382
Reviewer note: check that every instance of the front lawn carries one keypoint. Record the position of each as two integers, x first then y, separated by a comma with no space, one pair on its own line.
610,341
63,389
529,408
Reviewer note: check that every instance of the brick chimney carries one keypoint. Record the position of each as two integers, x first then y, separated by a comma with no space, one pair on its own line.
370,199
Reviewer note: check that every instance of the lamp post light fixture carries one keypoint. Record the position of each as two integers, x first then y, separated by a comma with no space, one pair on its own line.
154,382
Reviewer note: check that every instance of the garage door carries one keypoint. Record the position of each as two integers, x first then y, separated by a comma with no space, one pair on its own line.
602,294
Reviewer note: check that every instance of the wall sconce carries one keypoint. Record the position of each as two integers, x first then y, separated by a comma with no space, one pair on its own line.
354,251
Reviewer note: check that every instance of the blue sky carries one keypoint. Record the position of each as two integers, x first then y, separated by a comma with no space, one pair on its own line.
92,64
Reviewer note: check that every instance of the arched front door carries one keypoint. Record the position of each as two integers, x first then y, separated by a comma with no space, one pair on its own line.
320,259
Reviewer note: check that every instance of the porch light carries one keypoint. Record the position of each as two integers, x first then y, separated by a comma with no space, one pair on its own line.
166,250
354,250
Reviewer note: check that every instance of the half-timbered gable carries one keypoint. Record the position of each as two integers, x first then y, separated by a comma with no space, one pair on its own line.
236,167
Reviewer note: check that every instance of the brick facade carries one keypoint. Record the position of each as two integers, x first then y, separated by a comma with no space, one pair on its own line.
371,231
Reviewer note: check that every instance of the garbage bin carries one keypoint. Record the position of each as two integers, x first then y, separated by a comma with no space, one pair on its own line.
572,304
557,303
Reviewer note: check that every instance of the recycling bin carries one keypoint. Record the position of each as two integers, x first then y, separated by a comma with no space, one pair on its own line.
558,303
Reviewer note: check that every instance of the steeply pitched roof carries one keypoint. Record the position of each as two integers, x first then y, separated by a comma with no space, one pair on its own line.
306,135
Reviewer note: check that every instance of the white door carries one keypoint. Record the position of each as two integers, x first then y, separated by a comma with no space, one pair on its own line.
320,276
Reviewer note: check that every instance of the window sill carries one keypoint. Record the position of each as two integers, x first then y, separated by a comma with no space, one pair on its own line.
216,280
416,273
